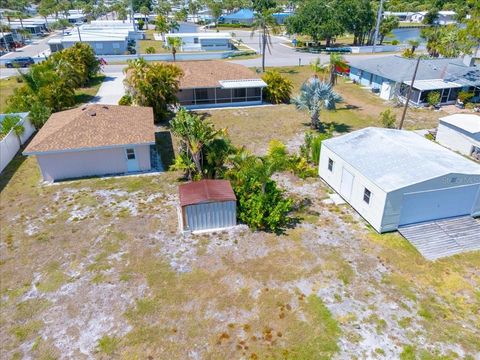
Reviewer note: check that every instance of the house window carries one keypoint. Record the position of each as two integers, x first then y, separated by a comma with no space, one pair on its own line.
99,46
330,164
195,40
116,45
366,195
130,154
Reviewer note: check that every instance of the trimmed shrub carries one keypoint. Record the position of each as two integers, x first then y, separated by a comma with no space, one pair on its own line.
279,89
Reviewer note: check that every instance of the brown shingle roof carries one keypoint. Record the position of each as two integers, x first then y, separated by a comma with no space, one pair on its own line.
208,73
197,192
92,126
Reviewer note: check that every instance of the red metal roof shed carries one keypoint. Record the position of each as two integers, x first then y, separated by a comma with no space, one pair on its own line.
197,192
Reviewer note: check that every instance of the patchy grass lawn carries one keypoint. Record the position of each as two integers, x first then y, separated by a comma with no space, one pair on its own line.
7,86
95,268
151,42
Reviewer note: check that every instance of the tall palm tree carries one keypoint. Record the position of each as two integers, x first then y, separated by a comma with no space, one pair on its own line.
265,23
162,26
174,43
314,96
145,11
337,63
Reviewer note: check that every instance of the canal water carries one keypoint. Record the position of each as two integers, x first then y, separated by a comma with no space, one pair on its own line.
405,34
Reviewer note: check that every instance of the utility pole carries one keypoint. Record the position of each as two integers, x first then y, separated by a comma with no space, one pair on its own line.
377,26
409,94
79,36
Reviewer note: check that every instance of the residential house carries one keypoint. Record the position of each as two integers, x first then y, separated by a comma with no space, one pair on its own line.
105,37
242,16
390,76
207,205
216,83
460,132
94,140
204,41
395,178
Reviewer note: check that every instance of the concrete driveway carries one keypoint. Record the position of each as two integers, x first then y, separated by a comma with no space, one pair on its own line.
111,90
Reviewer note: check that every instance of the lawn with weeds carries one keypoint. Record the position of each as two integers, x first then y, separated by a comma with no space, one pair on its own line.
96,268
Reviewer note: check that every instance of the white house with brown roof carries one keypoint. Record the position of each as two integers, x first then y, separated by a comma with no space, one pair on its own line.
216,83
94,140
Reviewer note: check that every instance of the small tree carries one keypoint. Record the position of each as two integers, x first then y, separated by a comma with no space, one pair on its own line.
433,98
195,134
336,64
314,96
140,24
279,88
150,50
153,84
174,43
388,119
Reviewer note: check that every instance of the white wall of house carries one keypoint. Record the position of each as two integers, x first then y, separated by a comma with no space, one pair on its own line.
457,139
75,164
353,194
11,143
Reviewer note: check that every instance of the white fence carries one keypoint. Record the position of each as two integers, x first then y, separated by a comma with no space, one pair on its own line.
11,143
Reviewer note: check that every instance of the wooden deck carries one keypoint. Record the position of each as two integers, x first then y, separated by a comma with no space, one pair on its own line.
440,238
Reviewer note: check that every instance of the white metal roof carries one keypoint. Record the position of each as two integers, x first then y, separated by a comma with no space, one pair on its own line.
200,35
393,159
247,83
433,84
467,122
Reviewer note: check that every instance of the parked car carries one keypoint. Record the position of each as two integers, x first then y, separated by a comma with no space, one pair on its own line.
20,62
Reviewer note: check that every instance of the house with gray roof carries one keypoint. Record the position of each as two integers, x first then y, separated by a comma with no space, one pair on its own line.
391,76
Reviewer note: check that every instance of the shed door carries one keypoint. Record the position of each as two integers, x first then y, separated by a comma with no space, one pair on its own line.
346,184
438,204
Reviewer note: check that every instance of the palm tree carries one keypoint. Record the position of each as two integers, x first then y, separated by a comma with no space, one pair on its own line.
314,96
174,43
337,62
162,26
145,11
267,25
414,44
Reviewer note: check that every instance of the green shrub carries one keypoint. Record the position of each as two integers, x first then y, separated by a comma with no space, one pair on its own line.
279,88
395,42
408,53
262,206
433,98
465,96
10,122
310,150
125,100
140,24
150,50
388,119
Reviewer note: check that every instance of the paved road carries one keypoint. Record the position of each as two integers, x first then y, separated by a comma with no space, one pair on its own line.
36,48
280,54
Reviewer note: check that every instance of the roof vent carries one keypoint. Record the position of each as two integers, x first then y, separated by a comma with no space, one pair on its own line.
92,113
105,107
84,108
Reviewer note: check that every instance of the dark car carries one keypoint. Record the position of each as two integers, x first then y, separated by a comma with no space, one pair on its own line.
19,62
